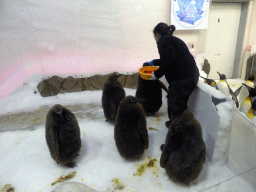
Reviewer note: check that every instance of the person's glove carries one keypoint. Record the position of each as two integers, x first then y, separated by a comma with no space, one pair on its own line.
145,64
153,77
151,63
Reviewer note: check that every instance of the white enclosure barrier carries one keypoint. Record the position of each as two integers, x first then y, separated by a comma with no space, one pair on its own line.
215,121
242,147
230,137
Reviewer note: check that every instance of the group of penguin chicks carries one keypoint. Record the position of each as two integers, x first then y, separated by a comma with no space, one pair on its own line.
183,153
248,106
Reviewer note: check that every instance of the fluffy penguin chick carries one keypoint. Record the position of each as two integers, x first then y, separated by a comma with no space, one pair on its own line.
184,151
112,95
206,67
149,94
62,134
131,134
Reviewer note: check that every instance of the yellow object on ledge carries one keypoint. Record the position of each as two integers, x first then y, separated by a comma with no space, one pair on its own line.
146,72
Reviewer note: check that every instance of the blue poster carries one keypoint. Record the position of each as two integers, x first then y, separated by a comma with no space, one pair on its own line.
190,14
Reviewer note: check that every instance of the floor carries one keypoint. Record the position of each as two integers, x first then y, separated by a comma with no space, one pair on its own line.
213,183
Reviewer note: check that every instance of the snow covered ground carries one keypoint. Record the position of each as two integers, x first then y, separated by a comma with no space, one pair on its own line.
26,164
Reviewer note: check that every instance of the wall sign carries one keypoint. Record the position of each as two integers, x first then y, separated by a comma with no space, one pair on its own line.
190,14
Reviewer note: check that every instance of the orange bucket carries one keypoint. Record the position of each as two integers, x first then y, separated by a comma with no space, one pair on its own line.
146,72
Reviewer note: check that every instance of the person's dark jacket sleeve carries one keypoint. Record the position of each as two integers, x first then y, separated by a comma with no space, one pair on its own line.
167,55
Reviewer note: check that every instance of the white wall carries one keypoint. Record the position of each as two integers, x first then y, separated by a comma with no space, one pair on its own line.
40,38
84,37
252,29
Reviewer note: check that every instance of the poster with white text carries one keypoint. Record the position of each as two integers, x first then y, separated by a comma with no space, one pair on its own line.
190,14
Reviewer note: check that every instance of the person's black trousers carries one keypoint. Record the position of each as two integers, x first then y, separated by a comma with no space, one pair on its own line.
177,98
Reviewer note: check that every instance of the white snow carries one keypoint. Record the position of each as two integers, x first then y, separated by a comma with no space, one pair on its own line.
26,163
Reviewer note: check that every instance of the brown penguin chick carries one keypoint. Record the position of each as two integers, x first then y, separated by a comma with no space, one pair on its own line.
112,95
62,134
184,151
130,133
151,102
206,67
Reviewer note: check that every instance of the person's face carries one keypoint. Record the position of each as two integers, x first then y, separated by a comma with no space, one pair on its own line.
157,36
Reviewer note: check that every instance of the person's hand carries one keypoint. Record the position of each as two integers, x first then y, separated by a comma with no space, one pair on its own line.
151,63
145,64
153,77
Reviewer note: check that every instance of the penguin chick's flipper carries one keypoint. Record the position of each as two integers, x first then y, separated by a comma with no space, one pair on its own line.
71,164
176,159
143,132
217,101
55,144
113,109
163,86
233,95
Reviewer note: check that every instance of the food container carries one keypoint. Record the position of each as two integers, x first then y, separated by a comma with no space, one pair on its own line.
146,72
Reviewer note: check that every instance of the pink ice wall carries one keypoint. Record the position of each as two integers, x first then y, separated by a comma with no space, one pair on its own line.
41,38
63,64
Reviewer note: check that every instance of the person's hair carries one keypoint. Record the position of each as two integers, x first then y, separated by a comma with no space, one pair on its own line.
163,28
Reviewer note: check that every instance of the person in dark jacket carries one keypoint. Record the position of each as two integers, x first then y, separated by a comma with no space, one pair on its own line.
179,67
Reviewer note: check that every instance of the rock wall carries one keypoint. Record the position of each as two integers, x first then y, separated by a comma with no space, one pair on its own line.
56,84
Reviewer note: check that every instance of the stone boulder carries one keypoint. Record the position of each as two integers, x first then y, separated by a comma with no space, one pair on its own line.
131,81
95,82
78,86
41,86
45,89
57,79
122,79
56,84
71,84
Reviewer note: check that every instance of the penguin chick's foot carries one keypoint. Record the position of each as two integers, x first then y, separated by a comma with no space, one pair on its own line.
162,147
71,164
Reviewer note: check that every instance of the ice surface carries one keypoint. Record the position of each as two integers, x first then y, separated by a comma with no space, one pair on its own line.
26,163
